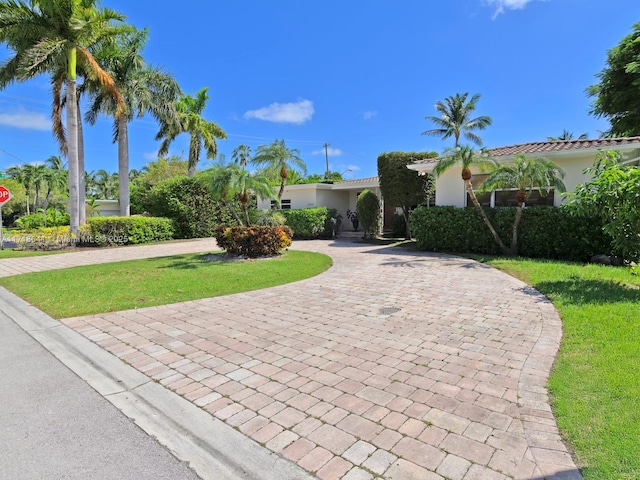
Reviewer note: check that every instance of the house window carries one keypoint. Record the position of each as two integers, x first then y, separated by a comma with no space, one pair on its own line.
284,204
507,198
483,198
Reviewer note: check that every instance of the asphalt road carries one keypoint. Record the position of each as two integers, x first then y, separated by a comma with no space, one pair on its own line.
55,426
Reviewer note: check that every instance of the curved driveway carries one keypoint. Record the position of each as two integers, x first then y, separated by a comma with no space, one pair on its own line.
392,364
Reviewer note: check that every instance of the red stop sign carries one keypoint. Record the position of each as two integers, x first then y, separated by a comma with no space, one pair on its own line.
5,195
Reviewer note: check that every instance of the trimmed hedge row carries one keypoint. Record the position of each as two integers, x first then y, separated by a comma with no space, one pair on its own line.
254,241
308,223
544,232
128,230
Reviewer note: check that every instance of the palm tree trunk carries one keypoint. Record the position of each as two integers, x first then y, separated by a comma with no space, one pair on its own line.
474,199
72,131
123,166
234,214
280,192
82,184
514,237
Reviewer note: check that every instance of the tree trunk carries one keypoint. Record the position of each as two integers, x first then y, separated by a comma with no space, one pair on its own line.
123,166
514,237
234,214
245,213
82,184
407,225
280,192
496,237
72,132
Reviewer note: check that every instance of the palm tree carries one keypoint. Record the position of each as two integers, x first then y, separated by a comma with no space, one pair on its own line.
105,184
566,135
145,89
455,119
525,175
241,155
466,157
221,185
278,157
22,175
47,36
189,120
38,177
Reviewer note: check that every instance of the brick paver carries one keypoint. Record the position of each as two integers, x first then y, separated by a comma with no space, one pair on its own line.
392,363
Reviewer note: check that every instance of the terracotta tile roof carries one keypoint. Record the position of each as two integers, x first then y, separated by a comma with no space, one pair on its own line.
551,147
358,181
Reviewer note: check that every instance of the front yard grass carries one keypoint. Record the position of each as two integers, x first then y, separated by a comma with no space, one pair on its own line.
143,283
15,253
595,383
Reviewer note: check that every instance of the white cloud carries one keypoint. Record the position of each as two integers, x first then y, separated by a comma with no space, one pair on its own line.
501,5
369,114
333,152
26,120
150,155
298,112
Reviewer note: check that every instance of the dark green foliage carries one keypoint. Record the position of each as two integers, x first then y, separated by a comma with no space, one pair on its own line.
402,187
308,223
188,202
253,242
54,218
129,230
617,96
399,226
368,208
545,232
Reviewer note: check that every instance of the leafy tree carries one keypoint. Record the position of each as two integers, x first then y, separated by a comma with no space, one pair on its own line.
278,157
567,135
455,119
241,155
525,175
48,36
402,187
617,95
614,195
163,169
103,185
467,157
19,198
145,89
368,208
21,174
189,120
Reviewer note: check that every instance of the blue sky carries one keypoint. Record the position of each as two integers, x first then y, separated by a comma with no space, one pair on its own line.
358,74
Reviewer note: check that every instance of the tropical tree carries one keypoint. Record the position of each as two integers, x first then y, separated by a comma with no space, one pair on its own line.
616,96
22,176
189,120
241,155
145,89
55,178
104,184
278,157
47,36
566,135
466,157
38,175
525,175
455,119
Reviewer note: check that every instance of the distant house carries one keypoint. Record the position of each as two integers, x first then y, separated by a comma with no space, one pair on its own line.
341,195
571,155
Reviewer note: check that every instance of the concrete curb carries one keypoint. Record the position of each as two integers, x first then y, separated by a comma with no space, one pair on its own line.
212,448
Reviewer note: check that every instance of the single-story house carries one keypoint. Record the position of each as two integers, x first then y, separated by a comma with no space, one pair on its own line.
573,156
341,195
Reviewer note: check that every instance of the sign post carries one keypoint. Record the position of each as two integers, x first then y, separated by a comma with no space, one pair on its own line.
5,196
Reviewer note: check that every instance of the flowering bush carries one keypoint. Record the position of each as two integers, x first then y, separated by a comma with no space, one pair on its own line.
253,241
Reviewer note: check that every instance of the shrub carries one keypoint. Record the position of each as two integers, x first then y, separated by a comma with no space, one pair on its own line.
545,232
128,230
188,202
50,238
398,226
253,241
54,218
308,223
368,208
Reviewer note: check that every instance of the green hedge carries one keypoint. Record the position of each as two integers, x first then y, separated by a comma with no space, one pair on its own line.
253,241
55,218
188,202
128,230
544,232
308,223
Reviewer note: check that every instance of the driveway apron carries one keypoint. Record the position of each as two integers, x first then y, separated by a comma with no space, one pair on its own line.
392,364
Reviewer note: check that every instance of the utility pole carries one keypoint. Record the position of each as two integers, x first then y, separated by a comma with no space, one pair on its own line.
326,157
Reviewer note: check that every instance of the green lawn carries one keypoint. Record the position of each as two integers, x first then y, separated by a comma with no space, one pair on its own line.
595,384
143,283
14,253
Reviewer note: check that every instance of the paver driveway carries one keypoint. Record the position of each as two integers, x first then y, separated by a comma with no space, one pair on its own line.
392,363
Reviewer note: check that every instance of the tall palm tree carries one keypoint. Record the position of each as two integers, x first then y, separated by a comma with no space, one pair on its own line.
106,184
567,135
525,175
467,157
221,185
39,178
241,155
455,119
46,36
278,157
189,120
145,89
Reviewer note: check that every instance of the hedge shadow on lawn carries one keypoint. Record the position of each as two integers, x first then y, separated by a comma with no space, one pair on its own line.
577,291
